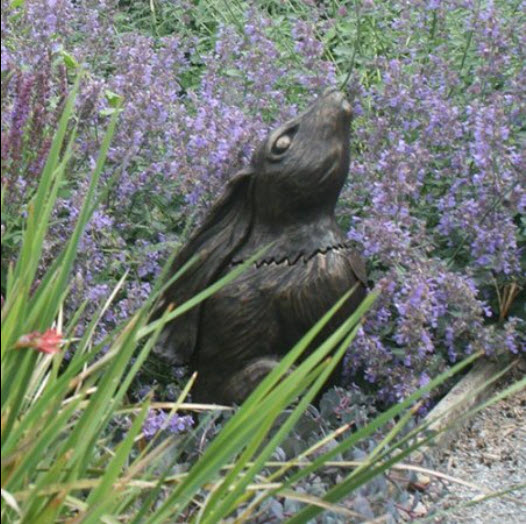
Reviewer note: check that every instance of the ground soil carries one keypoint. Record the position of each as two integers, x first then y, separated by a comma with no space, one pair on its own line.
489,453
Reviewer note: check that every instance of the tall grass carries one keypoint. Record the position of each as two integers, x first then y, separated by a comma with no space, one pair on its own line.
62,457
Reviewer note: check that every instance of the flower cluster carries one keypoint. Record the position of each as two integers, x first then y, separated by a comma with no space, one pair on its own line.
158,420
436,197
437,182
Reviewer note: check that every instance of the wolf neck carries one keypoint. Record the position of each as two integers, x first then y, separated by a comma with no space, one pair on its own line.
291,240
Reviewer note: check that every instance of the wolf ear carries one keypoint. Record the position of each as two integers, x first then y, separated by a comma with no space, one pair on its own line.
225,228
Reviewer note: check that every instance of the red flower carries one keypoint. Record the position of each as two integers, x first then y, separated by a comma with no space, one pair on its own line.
47,342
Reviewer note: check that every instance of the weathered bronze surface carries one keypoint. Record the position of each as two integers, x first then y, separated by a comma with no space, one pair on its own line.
286,197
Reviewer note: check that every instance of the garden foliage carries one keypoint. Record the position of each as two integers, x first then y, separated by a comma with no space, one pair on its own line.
72,446
436,200
436,195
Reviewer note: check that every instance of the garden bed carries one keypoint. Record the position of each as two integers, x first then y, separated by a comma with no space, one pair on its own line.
147,109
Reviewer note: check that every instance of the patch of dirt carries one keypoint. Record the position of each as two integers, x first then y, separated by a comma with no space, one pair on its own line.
488,453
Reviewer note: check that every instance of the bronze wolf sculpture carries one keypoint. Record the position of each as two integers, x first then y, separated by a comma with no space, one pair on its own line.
285,198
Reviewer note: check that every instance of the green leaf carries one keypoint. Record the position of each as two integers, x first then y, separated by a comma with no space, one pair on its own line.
115,100
69,60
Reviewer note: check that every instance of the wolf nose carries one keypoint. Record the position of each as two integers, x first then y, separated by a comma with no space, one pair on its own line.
338,98
329,90
346,106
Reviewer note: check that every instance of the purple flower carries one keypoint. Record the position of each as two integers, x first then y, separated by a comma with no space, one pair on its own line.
158,420
435,185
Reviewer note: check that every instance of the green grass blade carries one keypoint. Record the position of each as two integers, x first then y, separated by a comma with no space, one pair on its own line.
377,423
64,262
44,436
87,336
277,374
103,492
36,221
203,295
236,433
15,388
236,489
54,391
89,423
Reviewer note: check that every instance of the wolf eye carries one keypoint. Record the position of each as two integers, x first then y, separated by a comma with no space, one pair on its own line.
281,144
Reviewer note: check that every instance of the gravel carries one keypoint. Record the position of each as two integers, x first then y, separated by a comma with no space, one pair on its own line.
488,452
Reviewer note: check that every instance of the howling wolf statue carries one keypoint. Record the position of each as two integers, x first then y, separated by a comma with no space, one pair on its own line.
284,199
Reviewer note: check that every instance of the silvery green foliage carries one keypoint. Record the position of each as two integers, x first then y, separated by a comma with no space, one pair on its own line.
338,407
